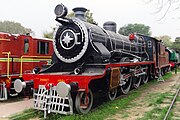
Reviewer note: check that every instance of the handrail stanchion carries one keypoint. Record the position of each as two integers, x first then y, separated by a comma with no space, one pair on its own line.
8,65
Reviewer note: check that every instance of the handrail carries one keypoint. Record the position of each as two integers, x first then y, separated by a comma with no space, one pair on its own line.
3,39
8,66
21,67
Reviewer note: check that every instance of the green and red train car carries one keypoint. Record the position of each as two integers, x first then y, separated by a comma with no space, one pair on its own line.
174,58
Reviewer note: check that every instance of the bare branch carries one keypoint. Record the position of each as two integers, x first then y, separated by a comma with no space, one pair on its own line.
165,6
178,7
148,2
166,10
161,7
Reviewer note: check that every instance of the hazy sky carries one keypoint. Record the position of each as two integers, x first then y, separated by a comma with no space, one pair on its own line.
39,14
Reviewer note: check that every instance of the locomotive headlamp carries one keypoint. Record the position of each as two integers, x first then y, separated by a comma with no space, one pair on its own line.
60,11
63,89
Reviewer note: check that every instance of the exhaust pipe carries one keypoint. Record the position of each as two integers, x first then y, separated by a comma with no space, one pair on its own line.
19,85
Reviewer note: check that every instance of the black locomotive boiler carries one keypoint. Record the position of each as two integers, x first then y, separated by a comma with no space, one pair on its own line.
78,42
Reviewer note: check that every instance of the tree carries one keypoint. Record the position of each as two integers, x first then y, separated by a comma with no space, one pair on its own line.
166,39
49,34
90,18
168,43
135,28
176,44
88,14
177,39
13,27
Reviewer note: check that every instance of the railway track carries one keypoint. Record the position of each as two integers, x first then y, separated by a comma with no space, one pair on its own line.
175,105
173,102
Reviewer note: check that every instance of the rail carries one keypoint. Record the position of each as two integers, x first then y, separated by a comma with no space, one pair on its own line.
8,65
172,103
21,67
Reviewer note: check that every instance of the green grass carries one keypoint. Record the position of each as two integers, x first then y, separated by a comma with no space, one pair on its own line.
125,115
155,100
30,113
167,76
156,114
178,70
101,112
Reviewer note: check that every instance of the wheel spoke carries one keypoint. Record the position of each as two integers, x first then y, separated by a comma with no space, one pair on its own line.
145,77
124,89
137,78
136,81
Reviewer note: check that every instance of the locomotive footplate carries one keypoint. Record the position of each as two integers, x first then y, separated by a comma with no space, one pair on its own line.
49,101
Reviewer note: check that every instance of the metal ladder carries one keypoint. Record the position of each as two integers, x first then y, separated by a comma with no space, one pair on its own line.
160,78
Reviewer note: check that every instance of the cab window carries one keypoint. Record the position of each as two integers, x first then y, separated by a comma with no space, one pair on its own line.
43,47
26,46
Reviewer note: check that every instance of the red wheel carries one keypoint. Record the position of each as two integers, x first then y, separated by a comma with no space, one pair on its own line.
81,98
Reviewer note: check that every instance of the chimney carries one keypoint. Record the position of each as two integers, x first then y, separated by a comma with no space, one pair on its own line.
80,13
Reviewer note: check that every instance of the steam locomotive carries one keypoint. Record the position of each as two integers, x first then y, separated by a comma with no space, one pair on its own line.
19,54
89,59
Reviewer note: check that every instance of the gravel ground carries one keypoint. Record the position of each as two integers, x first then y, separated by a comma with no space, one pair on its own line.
140,105
8,109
